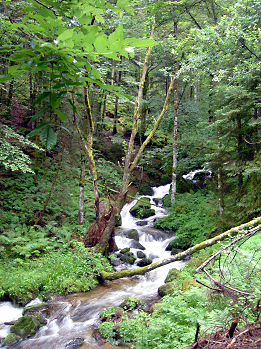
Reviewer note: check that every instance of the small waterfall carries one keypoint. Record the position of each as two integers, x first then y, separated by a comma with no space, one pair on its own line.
76,315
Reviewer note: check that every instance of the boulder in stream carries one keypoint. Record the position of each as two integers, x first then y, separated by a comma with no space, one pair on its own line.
142,209
27,326
126,256
137,245
144,261
133,234
141,254
74,343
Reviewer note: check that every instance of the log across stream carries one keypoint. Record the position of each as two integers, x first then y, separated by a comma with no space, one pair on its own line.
77,315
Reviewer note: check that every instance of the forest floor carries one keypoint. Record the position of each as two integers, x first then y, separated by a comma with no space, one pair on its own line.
249,338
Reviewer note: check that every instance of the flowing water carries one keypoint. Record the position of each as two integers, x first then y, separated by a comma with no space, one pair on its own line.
76,315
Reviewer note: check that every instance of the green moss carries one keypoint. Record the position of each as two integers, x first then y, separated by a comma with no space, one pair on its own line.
25,327
10,339
188,284
173,274
131,303
168,289
35,308
133,234
142,209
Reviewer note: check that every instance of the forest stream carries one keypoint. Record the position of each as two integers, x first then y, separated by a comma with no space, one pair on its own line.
77,315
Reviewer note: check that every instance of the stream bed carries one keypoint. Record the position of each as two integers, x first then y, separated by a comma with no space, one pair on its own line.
77,315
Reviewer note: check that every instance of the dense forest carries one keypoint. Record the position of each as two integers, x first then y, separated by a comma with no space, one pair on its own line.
102,100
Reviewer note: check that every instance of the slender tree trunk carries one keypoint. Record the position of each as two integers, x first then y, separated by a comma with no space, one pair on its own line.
175,127
116,106
175,140
81,192
144,108
239,152
220,192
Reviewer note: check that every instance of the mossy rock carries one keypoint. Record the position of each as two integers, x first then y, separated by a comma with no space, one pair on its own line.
25,327
141,254
168,289
133,234
176,251
144,261
188,284
195,262
156,307
109,313
137,245
74,343
142,209
131,303
126,256
145,189
11,338
173,274
36,308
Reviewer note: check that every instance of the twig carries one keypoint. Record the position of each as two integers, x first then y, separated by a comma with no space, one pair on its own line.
248,234
211,288
228,287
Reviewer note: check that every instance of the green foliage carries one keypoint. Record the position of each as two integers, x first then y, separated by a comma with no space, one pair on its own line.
58,272
192,218
11,154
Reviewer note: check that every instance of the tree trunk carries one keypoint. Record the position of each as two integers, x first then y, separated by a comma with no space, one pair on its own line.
81,192
175,139
180,256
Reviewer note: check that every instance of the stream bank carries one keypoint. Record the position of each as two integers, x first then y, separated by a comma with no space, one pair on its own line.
77,315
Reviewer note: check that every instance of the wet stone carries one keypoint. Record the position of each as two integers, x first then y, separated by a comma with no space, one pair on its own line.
74,343
136,244
141,254
144,261
142,223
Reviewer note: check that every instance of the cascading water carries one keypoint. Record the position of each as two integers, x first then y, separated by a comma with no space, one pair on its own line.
76,315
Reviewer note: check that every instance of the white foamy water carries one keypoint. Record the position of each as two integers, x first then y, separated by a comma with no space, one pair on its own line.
8,313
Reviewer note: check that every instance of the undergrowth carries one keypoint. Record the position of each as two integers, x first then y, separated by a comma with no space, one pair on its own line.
174,320
57,272
193,217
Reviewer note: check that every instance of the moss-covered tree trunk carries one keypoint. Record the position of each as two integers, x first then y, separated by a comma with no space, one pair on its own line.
140,271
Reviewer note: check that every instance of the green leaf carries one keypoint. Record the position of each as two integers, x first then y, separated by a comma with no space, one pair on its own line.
141,43
101,43
73,106
54,100
39,113
85,19
13,69
67,34
5,77
42,97
60,114
37,130
48,137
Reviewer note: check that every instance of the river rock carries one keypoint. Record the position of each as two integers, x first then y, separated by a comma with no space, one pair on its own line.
142,223
126,256
36,309
141,254
168,288
133,234
137,245
158,201
131,303
27,326
142,209
173,274
144,261
176,251
10,339
74,343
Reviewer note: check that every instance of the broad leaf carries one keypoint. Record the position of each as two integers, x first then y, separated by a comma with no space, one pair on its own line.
39,113
36,130
42,97
48,137
60,114
5,77
67,34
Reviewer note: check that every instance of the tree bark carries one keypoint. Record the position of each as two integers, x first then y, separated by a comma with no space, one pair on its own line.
180,256
81,192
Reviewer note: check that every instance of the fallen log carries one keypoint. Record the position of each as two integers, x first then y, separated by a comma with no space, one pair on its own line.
241,229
